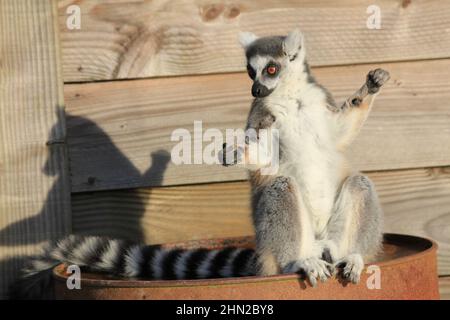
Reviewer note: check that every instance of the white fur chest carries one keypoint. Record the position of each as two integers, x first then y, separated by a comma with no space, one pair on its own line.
307,153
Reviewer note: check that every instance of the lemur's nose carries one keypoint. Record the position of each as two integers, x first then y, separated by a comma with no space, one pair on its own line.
259,90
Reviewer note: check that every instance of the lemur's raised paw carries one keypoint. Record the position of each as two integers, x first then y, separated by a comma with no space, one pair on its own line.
375,79
350,268
229,155
312,268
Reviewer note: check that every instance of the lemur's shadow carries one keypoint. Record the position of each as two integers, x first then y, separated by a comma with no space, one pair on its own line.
103,217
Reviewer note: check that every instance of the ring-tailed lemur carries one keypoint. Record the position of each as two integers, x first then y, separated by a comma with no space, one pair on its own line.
315,213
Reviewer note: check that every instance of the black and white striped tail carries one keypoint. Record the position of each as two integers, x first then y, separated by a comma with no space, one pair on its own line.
129,260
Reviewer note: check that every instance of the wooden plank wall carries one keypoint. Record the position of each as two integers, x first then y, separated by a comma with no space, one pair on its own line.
34,185
119,131
444,288
181,37
407,129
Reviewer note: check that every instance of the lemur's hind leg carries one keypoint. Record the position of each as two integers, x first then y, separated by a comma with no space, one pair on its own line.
355,228
284,235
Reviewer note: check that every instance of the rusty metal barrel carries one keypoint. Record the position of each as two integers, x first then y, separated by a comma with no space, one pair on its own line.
407,270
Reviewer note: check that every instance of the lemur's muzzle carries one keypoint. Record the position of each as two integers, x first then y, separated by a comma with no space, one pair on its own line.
259,90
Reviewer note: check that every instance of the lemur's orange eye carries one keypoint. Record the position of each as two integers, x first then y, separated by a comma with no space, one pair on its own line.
271,70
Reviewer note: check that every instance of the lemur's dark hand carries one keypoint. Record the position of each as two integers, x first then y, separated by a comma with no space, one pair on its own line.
230,155
266,122
375,79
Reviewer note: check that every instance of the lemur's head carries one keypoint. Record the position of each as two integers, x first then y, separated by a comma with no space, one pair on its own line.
270,60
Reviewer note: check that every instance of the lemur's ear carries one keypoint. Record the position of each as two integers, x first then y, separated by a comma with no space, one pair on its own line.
293,43
246,38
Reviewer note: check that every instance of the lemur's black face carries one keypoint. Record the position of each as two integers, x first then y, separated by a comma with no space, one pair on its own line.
267,60
265,74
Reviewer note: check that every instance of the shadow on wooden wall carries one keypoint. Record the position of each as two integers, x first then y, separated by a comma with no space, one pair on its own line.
111,225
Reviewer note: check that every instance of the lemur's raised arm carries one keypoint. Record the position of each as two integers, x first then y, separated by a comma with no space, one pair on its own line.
354,111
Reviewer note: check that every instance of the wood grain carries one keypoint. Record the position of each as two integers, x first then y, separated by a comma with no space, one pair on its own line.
444,288
34,189
118,131
133,39
165,214
415,202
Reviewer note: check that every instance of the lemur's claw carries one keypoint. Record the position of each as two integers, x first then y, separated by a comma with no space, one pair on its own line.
331,269
375,79
312,269
351,268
